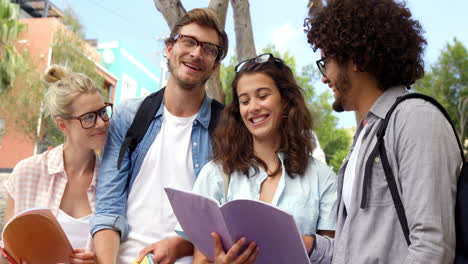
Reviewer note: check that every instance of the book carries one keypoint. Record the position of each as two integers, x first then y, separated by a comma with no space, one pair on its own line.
35,236
146,260
5,254
272,229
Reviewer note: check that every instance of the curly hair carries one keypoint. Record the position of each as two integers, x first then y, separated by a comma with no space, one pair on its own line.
233,143
379,36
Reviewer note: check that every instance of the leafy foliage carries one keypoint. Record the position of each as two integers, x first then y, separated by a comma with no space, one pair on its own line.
447,81
10,28
23,104
70,19
227,74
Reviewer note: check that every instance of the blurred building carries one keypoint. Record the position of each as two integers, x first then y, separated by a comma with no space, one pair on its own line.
138,77
42,21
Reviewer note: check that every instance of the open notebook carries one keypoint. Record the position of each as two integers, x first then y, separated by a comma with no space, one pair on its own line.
274,230
35,236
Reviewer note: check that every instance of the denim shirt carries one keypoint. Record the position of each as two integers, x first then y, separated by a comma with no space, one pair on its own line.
114,185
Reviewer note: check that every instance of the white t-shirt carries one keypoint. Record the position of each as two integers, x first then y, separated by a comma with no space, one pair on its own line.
350,172
168,163
76,229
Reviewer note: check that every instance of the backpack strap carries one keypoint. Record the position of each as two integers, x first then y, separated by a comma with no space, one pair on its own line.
141,122
380,149
145,115
216,108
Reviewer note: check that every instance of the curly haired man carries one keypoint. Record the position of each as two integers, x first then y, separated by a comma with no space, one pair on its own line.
371,53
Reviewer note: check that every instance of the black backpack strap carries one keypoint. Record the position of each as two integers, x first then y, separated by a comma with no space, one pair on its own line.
216,108
399,207
141,122
380,149
432,101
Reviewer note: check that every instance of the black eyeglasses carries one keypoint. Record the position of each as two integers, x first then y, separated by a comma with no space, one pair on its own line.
89,119
190,43
259,59
321,64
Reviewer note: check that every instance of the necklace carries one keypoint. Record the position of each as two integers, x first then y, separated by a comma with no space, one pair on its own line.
275,172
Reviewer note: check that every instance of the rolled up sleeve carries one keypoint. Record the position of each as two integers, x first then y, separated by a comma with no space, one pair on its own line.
112,183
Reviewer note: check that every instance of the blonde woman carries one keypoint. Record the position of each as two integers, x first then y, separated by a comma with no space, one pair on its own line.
63,179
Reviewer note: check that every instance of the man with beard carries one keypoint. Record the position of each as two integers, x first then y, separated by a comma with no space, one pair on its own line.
132,210
371,52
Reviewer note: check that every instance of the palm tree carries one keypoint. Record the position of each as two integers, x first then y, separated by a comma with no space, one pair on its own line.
10,28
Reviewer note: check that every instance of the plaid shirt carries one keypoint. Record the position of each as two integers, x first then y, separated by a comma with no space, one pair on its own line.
40,180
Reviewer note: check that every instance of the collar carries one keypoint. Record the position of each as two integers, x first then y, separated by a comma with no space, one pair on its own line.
204,113
386,100
55,164
55,160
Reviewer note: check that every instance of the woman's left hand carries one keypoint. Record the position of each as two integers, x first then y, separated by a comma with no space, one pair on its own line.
82,256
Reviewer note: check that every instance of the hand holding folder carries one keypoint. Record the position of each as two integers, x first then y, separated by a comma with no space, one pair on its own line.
36,237
272,229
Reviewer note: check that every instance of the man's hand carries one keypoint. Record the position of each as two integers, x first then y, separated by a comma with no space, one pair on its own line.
167,251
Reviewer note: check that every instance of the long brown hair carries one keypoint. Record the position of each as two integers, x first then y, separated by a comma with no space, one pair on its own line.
232,142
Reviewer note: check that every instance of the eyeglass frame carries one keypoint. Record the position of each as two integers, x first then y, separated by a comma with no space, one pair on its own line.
201,44
321,65
241,64
97,113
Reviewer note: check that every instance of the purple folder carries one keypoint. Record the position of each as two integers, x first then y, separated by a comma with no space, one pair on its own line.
274,230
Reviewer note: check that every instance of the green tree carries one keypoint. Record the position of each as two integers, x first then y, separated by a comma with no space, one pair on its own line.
227,74
23,104
20,105
447,81
334,141
10,28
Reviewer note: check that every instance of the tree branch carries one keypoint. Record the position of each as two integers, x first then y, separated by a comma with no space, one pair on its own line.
220,8
172,10
314,6
245,46
213,86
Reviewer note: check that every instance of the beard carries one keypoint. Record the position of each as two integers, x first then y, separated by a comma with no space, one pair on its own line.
342,86
188,86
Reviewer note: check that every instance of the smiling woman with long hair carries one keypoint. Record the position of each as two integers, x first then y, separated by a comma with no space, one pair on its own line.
63,179
263,143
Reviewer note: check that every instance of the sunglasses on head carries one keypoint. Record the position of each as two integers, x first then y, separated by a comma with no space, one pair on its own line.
266,57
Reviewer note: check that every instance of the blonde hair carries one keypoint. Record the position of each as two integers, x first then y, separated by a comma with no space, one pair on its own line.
64,87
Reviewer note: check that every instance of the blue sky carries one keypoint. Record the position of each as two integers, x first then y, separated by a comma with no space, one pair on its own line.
277,22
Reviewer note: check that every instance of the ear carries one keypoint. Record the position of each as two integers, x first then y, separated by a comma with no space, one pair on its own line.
216,66
168,50
62,125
